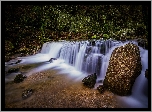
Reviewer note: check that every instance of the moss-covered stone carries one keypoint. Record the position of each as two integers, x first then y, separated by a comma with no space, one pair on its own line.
90,80
19,78
13,70
124,67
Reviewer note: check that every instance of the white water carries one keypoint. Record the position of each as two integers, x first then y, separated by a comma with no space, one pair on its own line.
78,59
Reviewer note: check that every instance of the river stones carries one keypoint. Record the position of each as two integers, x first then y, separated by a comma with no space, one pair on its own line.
90,80
124,67
19,78
27,93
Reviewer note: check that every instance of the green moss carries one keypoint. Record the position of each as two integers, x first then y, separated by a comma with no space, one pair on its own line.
19,78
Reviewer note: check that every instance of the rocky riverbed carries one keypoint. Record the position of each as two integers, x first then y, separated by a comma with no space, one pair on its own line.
53,90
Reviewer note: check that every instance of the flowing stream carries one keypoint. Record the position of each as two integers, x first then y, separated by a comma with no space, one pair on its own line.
80,58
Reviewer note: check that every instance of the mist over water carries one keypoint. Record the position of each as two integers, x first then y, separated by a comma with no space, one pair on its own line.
82,58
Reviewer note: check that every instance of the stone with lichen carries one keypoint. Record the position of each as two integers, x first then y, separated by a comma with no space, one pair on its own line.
90,80
124,67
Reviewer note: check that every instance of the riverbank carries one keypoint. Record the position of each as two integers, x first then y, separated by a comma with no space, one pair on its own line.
54,90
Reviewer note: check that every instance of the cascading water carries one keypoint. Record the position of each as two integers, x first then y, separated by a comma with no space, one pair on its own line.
51,49
69,52
80,57
83,58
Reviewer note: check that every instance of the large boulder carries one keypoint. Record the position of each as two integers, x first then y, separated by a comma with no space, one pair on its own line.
124,67
90,80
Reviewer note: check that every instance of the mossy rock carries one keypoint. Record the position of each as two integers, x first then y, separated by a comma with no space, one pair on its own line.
90,80
18,61
19,78
123,69
11,70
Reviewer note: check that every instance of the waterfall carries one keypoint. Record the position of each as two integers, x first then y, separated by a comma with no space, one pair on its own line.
86,56
91,57
51,49
80,57
69,52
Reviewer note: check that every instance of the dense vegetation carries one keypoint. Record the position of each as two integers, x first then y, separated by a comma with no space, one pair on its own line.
27,27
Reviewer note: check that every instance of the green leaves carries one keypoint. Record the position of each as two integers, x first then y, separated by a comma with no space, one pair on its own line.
94,37
105,19
106,36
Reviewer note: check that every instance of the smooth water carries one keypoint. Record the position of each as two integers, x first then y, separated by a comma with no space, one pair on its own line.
78,59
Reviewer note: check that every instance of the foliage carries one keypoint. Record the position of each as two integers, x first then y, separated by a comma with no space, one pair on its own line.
26,24
105,35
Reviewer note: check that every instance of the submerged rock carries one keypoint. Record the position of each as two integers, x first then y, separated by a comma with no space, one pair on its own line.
146,73
51,60
19,78
27,93
13,61
90,80
18,61
101,88
124,67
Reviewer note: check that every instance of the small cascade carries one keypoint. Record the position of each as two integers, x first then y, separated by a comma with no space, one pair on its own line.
80,57
51,49
69,52
84,58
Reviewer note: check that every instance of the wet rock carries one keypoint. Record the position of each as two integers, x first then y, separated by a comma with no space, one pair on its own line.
146,73
90,80
14,61
11,70
101,88
10,63
124,67
143,43
19,78
27,93
18,61
51,60
93,43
